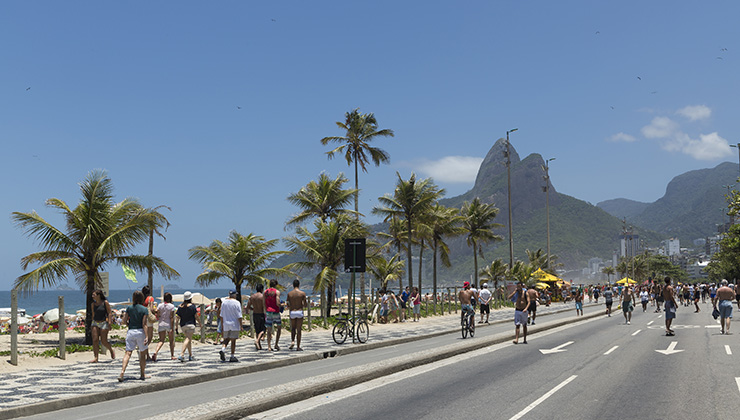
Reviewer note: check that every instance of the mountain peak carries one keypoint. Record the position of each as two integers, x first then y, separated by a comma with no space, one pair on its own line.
494,164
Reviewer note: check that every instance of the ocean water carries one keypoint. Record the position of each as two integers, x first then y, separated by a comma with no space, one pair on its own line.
43,300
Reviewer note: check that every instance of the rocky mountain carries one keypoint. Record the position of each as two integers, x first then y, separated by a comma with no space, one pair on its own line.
692,206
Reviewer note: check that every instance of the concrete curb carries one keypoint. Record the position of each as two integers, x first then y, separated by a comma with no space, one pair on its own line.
92,398
264,400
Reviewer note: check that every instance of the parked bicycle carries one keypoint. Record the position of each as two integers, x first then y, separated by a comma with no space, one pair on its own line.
355,326
468,323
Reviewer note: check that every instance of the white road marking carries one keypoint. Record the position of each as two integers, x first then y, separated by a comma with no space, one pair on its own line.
738,383
635,333
611,350
671,349
727,349
557,349
651,322
108,413
539,401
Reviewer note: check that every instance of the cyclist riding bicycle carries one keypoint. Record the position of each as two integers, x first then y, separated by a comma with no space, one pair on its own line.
466,297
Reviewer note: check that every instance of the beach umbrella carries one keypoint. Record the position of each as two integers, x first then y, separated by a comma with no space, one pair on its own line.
198,299
626,280
23,320
542,285
51,316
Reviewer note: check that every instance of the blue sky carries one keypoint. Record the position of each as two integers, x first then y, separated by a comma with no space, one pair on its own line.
216,109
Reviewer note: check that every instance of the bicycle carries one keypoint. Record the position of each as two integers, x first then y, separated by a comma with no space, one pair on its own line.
355,326
468,323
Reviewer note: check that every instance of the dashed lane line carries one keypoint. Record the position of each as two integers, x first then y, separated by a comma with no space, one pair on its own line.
539,401
611,350
728,350
636,332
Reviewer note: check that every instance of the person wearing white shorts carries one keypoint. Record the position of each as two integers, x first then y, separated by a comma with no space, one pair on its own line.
231,321
297,300
135,316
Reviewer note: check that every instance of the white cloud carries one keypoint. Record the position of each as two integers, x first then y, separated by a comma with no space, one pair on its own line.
707,147
660,127
452,169
623,137
695,112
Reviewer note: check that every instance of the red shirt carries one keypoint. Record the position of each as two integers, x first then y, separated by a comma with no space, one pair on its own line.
271,303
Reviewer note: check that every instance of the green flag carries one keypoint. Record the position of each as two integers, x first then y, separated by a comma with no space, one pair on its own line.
129,272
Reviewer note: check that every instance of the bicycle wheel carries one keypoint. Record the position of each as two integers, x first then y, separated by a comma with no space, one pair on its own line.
340,332
471,322
465,327
363,332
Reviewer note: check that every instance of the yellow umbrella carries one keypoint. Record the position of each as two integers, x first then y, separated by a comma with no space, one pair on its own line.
544,276
542,285
626,280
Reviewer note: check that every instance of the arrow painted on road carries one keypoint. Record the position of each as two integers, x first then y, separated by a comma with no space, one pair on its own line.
557,349
671,349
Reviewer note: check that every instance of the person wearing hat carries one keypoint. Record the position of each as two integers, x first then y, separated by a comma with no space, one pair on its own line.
231,321
188,314
484,296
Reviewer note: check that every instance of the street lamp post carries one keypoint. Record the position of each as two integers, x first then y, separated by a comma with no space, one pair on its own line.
546,168
508,174
738,150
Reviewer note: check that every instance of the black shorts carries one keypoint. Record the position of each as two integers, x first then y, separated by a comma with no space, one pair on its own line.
532,308
259,323
403,305
608,303
485,308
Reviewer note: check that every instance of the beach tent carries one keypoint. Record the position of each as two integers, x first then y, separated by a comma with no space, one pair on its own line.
626,280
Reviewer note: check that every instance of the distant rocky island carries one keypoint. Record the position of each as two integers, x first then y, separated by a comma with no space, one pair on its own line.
65,286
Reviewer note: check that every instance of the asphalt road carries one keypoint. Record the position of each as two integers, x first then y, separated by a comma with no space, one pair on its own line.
165,401
608,370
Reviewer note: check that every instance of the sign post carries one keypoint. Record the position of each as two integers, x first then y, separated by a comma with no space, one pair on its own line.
354,262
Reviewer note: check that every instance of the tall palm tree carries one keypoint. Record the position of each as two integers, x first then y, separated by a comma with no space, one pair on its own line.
537,259
478,223
98,232
324,198
385,270
240,259
360,130
608,271
409,200
443,222
520,272
323,249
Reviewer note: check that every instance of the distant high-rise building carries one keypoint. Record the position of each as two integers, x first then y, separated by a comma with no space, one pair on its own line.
629,245
671,247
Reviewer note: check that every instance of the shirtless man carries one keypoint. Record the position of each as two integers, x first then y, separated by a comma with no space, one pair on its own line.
628,303
670,306
466,297
725,296
256,304
521,305
533,296
296,302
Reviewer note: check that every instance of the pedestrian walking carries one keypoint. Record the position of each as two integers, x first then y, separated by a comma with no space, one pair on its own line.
628,303
608,299
725,296
135,317
404,302
272,314
188,314
101,325
644,298
151,320
521,305
166,322
669,296
533,296
579,302
296,302
484,297
256,304
231,320
416,299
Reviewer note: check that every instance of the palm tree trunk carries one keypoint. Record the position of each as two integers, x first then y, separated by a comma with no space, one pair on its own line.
89,289
475,263
150,278
421,259
329,299
434,275
408,254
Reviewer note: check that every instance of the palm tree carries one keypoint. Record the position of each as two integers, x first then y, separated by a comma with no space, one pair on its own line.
241,259
98,232
360,130
385,270
520,272
324,198
323,249
537,259
608,271
494,272
478,223
443,222
409,200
